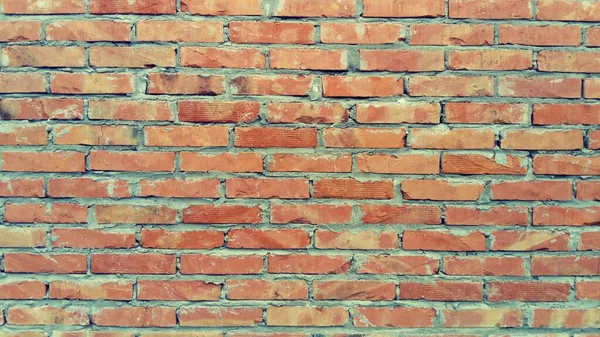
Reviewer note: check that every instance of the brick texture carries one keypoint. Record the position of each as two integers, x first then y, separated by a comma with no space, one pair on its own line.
299,168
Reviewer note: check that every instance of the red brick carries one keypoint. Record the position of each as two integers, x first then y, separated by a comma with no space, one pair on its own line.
381,138
91,31
484,266
588,290
16,31
22,187
490,163
267,188
136,263
316,214
185,84
266,137
572,114
550,87
490,59
135,214
447,291
399,265
354,290
129,110
397,113
441,190
353,189
459,86
132,57
593,36
529,241
91,290
213,265
571,62
442,138
404,214
398,317
494,216
218,112
177,290
267,290
443,241
486,113
222,7
43,7
45,263
307,316
565,318
214,316
179,31
451,34
482,318
566,165
315,8
528,291
14,83
23,135
402,60
546,35
312,59
568,10
92,238
180,188
223,162
22,237
188,136
565,216
271,32
22,290
490,9
48,315
355,240
310,163
532,190
93,83
150,7
276,85
589,241
588,190
308,264
164,239
45,213
306,113
565,265
222,214
200,57
45,108
361,33
94,135
362,86
404,8
135,317
43,56
411,163
132,161
268,239
85,188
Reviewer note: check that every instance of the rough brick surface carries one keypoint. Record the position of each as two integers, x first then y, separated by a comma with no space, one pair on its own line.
299,168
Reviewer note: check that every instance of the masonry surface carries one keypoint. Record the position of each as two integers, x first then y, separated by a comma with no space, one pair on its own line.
298,168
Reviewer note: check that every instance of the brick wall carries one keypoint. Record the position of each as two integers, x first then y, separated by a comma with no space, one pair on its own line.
295,168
